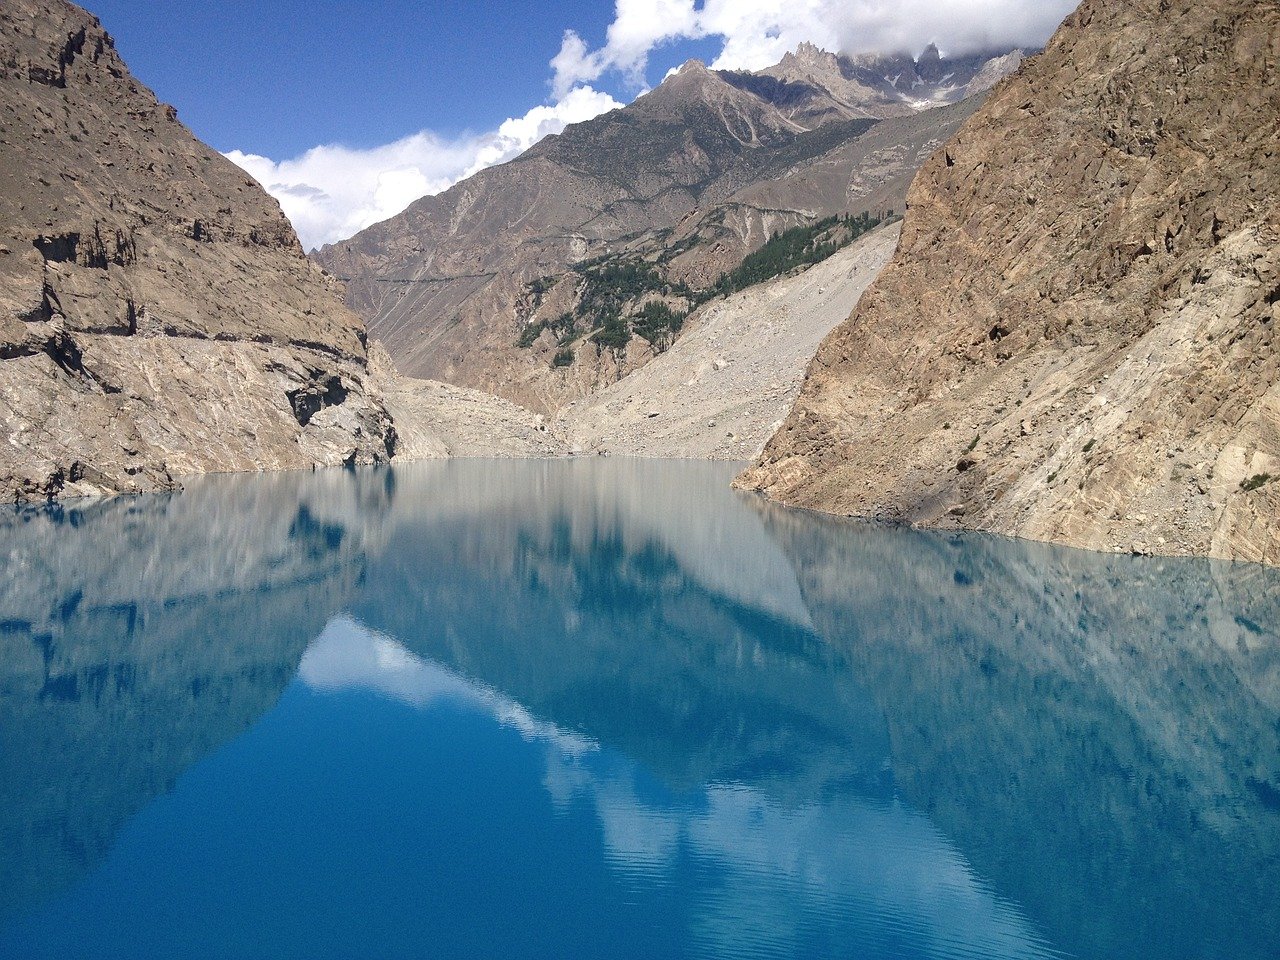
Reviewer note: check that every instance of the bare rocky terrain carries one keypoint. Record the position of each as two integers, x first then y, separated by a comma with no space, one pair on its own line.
157,314
1076,338
158,318
686,181
437,420
727,384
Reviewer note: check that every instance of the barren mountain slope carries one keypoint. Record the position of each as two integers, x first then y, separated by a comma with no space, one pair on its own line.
157,314
432,279
869,172
435,421
725,386
446,284
1076,338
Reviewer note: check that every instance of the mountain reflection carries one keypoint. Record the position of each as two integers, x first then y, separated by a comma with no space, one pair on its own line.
834,855
136,635
1098,734
826,737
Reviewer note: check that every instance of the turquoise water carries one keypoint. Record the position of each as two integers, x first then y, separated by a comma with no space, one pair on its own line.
610,708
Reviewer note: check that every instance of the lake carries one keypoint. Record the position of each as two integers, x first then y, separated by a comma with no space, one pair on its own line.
611,708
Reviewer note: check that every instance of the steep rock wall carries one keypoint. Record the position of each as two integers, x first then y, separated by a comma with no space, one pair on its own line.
1076,339
157,314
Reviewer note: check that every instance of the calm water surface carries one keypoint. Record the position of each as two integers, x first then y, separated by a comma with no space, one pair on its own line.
613,709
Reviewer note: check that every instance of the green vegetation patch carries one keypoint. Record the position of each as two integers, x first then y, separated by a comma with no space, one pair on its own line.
614,333
610,286
658,323
797,247
564,328
1256,481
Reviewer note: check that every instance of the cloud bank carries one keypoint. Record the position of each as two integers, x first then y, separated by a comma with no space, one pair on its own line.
756,33
332,192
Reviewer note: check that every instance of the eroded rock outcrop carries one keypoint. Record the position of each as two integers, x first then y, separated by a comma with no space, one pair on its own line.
157,314
1076,338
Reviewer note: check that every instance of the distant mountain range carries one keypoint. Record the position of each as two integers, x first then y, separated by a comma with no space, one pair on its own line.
685,181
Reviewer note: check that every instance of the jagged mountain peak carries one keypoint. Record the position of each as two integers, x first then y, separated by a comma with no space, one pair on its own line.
810,55
814,86
929,64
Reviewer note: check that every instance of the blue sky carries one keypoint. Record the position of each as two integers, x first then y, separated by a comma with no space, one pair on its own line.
348,111
276,77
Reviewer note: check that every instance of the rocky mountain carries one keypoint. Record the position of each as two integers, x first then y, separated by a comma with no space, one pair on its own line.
1076,338
812,85
673,191
157,314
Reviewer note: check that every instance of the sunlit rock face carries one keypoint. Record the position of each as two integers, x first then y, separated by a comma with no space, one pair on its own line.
1075,341
157,315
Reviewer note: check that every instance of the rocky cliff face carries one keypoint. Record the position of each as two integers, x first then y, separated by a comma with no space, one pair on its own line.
1076,338
677,179
157,314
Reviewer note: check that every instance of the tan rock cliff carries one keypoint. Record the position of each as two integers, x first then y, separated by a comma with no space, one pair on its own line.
1076,339
157,314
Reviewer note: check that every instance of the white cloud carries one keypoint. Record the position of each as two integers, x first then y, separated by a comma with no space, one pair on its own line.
332,192
638,27
756,33
520,133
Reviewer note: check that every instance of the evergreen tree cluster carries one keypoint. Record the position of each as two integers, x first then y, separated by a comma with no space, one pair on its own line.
611,285
658,323
798,247
563,327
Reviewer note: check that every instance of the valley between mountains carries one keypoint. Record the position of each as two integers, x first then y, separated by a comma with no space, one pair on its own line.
1027,293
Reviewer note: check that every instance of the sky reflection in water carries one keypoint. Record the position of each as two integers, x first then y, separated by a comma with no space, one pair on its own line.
613,708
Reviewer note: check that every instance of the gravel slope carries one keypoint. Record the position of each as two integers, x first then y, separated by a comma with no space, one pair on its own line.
727,384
